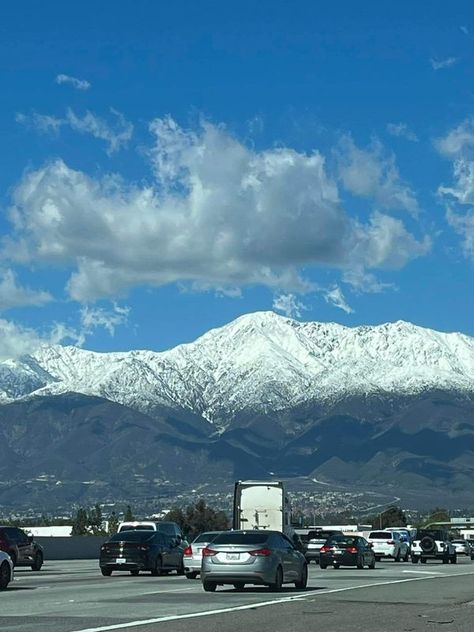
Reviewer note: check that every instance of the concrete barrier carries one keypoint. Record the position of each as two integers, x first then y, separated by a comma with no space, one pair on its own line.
76,547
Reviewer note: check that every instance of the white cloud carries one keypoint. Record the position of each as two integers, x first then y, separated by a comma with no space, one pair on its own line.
220,215
78,84
463,189
365,282
458,140
116,135
289,305
94,317
16,340
373,174
335,297
402,131
13,295
438,64
464,226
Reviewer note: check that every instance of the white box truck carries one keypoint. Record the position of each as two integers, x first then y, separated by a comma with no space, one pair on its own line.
262,505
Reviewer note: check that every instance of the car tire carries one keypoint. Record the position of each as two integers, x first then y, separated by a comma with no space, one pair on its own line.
335,565
180,569
135,572
445,559
303,582
423,560
209,586
239,586
191,575
472,558
454,559
323,565
278,583
158,570
415,559
38,562
106,572
407,557
372,564
360,562
5,575
397,556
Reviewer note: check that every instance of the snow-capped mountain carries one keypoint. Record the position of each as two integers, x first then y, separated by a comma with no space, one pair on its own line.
261,362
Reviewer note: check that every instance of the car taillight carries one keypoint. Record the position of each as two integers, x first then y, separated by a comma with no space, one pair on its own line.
351,549
188,550
207,552
261,552
324,549
390,541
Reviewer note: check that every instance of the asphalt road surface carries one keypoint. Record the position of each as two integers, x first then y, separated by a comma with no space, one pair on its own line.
72,596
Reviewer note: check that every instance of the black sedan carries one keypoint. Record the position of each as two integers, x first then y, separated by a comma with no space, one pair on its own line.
137,551
346,550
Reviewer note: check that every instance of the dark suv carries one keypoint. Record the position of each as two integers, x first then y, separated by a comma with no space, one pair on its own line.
22,549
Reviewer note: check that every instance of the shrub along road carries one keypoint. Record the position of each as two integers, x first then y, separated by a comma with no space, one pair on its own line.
73,596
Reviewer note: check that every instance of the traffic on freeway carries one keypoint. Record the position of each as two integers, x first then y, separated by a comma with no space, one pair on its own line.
73,596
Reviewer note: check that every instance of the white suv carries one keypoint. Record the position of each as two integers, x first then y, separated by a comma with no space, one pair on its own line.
433,544
389,544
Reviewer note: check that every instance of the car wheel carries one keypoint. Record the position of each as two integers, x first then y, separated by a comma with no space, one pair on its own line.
192,575
106,572
407,556
323,565
158,567
5,575
372,564
38,563
454,559
445,560
13,558
472,558
414,559
239,586
423,560
209,586
360,562
303,582
180,569
134,572
336,565
397,556
277,584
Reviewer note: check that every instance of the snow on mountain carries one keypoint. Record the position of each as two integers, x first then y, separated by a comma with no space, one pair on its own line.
260,362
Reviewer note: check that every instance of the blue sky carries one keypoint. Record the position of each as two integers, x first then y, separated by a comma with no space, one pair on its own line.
167,167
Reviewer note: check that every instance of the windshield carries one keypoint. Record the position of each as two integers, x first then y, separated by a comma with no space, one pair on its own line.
136,535
166,527
241,538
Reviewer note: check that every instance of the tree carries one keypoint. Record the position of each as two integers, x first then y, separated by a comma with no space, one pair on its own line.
129,517
80,523
198,518
95,519
391,517
439,514
113,523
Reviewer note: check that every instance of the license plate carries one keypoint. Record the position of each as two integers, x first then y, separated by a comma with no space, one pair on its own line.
120,560
337,552
233,556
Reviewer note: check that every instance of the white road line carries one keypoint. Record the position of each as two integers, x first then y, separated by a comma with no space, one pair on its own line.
262,604
424,572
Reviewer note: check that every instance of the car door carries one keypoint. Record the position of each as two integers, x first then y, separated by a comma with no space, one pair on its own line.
291,559
23,544
366,550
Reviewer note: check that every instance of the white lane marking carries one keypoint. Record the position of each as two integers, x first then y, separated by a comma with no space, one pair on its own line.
262,604
424,572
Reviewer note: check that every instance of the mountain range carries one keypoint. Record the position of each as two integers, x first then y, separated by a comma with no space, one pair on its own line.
389,405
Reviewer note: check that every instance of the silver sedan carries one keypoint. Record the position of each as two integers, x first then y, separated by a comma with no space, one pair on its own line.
265,558
6,570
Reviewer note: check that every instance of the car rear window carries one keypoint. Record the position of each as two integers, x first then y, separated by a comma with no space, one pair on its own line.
345,540
206,537
135,535
322,534
241,538
166,527
136,527
380,535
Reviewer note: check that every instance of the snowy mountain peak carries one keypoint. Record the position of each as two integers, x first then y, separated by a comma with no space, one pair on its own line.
261,362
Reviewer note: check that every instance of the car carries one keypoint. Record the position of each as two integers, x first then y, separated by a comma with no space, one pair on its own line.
21,548
6,570
471,548
170,528
141,550
315,540
462,547
255,557
347,550
389,544
433,544
193,553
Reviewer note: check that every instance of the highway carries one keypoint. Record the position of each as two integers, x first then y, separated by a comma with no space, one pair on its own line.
72,596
